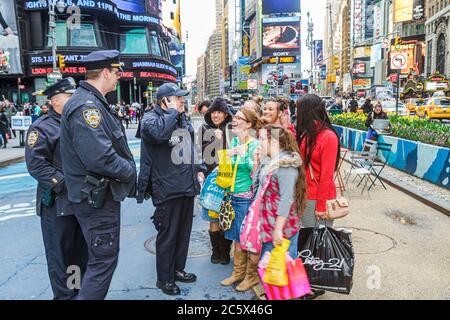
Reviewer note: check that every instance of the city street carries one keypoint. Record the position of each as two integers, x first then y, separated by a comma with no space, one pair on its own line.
400,247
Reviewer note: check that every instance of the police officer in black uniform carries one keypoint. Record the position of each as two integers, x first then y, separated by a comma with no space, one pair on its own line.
63,240
99,168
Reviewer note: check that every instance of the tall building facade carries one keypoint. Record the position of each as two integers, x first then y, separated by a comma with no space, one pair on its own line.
437,28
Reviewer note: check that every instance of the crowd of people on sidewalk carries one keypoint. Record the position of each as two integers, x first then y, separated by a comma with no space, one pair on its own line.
288,166
80,157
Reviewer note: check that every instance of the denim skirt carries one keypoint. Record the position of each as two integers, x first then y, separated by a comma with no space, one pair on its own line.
206,217
241,207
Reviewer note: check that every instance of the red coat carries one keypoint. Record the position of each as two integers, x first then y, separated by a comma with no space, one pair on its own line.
323,161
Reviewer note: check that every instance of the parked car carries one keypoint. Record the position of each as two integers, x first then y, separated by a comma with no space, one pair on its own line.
389,107
413,103
435,108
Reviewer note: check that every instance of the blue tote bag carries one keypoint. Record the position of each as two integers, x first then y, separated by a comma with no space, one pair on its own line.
212,195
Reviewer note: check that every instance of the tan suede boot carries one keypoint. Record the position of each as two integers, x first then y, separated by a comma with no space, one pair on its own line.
251,277
239,266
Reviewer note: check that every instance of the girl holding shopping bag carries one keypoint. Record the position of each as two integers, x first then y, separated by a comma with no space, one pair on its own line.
244,125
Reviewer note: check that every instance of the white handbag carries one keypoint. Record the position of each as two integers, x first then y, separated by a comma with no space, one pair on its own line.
336,208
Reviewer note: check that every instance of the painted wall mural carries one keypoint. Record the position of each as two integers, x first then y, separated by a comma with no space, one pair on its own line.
422,160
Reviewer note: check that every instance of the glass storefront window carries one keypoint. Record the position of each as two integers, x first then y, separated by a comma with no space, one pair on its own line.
84,36
61,35
134,42
156,49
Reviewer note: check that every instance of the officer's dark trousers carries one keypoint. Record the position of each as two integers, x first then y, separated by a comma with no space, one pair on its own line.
101,229
173,220
64,246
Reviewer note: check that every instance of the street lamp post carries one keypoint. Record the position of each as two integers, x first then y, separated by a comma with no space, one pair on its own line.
310,45
60,5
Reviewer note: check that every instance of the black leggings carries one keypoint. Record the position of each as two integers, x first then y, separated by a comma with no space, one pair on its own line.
4,141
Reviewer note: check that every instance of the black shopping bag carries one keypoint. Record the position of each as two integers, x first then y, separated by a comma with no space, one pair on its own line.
328,258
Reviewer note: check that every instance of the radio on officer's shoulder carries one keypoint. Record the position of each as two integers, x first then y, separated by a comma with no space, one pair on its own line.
98,194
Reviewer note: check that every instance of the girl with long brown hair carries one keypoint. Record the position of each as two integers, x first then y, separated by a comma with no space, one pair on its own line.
284,197
245,125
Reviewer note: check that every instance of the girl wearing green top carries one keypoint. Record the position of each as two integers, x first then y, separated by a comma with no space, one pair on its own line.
243,146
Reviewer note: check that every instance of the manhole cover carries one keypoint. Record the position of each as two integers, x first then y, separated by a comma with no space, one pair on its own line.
370,242
199,245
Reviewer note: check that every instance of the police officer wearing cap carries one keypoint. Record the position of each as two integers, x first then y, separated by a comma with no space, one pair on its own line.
169,174
99,168
63,240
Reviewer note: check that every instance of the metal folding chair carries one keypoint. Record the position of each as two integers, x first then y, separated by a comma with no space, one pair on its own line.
378,165
360,165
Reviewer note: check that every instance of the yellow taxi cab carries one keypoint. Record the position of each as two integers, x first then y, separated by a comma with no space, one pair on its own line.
412,104
435,108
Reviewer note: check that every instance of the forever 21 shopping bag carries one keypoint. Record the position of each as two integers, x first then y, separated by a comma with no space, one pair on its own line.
211,195
328,257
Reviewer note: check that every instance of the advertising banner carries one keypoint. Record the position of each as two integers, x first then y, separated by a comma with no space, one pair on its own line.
281,36
318,52
280,6
362,84
403,10
358,16
269,71
9,39
418,10
369,19
250,8
378,26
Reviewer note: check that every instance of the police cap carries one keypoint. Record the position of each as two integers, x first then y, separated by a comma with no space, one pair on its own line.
169,90
102,59
66,85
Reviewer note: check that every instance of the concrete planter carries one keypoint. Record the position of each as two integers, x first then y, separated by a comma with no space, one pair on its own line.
425,161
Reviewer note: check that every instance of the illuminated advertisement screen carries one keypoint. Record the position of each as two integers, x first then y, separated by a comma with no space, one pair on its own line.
137,6
280,6
131,11
281,36
9,39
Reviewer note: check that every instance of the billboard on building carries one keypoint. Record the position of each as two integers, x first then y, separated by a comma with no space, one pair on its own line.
369,19
408,10
9,39
378,27
280,6
137,6
358,17
250,8
281,36
177,54
269,71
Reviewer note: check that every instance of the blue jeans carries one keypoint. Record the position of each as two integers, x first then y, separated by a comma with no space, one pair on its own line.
371,133
293,246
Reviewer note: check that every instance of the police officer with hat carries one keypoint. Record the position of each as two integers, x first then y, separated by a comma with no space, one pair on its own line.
99,168
63,240
169,174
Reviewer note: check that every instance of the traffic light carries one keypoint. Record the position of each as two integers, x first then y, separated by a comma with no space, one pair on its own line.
61,62
336,62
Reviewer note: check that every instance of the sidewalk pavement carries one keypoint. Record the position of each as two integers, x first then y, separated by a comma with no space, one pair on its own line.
13,152
401,252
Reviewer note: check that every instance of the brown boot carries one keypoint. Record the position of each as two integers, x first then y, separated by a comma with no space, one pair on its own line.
240,264
251,277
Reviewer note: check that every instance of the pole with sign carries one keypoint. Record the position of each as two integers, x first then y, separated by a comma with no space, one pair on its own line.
398,62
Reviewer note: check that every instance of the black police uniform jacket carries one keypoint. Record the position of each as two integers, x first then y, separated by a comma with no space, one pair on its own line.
43,159
163,175
93,141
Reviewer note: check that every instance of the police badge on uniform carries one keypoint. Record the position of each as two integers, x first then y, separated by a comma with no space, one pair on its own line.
92,117
32,138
